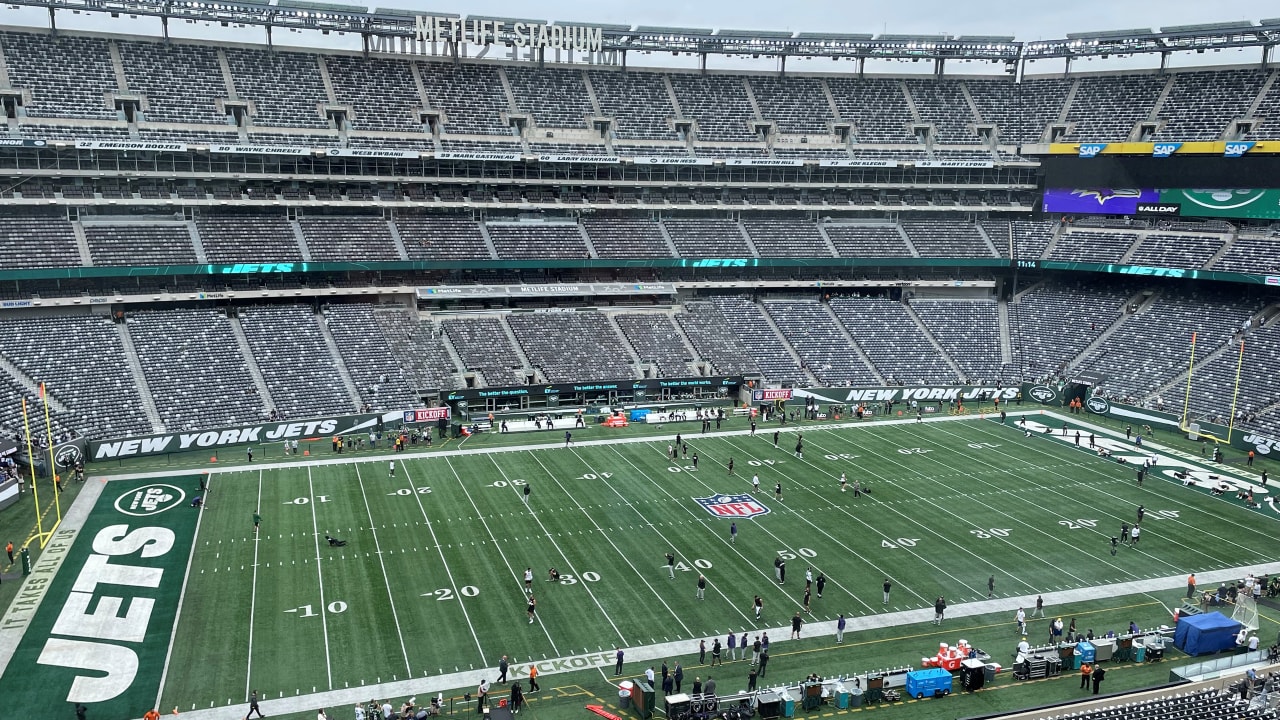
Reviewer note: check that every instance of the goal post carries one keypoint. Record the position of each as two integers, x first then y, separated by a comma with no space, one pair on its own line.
1185,423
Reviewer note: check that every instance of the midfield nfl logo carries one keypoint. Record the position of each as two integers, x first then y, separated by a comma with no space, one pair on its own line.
732,506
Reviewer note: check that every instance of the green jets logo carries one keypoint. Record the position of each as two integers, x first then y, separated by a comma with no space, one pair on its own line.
150,500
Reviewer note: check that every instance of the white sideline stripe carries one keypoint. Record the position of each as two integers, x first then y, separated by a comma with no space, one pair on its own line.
636,657
339,460
182,595
253,600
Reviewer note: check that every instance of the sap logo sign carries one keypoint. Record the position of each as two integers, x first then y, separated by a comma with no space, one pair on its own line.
1089,150
1098,405
1237,149
1161,150
721,262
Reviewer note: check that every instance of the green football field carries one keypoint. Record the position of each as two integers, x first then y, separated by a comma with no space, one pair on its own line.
430,584
431,581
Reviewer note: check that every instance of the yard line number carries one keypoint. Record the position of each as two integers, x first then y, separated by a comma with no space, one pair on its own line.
447,593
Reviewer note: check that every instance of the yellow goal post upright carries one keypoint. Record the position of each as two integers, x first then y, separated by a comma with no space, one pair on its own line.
1185,424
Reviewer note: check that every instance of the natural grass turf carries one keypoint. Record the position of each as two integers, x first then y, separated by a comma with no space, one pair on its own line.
431,581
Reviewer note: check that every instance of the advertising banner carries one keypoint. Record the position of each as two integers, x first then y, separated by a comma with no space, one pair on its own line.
145,445
1097,201
918,393
426,415
1247,203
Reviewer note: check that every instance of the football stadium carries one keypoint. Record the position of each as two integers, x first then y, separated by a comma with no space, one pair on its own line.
388,363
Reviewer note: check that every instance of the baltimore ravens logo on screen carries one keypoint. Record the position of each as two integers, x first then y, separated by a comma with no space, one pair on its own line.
732,506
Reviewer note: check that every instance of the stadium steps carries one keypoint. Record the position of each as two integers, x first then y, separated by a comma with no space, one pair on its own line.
911,103
459,367
1142,237
1068,101
671,244
82,244
1226,248
942,353
746,237
586,240
853,344
831,99
906,240
625,341
246,352
1139,299
591,94
1262,94
515,345
1005,237
300,238
507,92
227,78
397,240
1006,343
117,66
751,99
488,241
703,366
1058,232
995,252
324,78
139,377
783,343
335,354
675,104
826,240
26,383
1164,95
196,243
973,106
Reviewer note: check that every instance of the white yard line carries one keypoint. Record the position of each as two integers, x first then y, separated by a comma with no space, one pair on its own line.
445,562
324,610
769,581
253,599
605,535
1264,538
182,595
1056,513
1010,544
468,679
863,523
516,575
377,546
637,511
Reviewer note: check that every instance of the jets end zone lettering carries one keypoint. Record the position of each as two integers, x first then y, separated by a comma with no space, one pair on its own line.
208,439
101,634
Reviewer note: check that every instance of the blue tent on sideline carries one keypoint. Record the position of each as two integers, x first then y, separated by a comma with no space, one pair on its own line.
1205,634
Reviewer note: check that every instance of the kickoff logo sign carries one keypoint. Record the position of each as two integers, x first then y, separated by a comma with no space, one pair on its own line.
732,506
